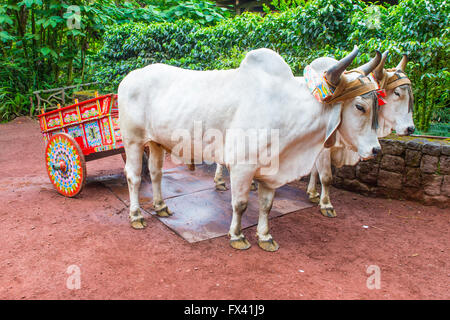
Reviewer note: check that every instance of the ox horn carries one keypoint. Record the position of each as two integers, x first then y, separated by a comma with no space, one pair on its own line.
372,64
378,71
333,74
402,65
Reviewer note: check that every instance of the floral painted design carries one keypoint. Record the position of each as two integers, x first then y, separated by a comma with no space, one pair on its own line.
117,134
92,112
70,117
106,131
76,131
103,148
61,150
53,122
93,135
105,104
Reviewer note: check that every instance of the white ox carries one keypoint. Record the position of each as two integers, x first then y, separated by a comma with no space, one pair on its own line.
395,114
261,94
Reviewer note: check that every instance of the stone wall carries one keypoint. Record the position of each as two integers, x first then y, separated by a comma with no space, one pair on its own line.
409,168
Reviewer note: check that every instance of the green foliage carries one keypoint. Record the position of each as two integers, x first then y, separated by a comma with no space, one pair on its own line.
436,129
300,34
420,29
203,12
40,51
12,105
45,43
283,5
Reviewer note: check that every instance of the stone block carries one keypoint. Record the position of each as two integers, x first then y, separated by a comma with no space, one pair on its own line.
441,201
392,163
394,147
367,171
445,150
389,179
346,172
429,164
412,158
412,177
412,193
444,165
432,148
415,144
432,184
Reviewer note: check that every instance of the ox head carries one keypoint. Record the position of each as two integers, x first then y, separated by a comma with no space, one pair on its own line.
356,116
397,113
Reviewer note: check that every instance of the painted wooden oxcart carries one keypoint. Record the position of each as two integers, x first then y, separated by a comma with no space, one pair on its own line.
78,133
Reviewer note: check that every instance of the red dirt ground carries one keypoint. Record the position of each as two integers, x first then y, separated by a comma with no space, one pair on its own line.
42,233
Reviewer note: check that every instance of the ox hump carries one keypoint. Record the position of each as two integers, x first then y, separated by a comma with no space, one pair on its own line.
322,64
268,61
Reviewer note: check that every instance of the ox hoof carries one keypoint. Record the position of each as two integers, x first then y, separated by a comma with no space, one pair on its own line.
139,224
268,245
240,244
221,187
254,186
328,212
164,212
314,198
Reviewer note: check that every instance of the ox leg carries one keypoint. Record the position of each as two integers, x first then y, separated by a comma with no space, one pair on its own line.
191,166
265,241
326,178
220,181
218,178
133,168
312,191
241,179
155,163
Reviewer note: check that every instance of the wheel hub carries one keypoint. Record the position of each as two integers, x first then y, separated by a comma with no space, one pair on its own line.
61,166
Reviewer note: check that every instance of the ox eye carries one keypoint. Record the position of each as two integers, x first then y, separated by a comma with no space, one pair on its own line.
397,94
360,108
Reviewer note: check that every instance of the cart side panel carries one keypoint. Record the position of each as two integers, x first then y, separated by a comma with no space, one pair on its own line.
117,134
77,133
52,133
114,107
105,104
53,121
115,122
89,110
70,116
107,131
93,134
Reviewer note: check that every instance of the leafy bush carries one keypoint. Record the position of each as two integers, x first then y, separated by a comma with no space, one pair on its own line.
203,12
300,34
41,51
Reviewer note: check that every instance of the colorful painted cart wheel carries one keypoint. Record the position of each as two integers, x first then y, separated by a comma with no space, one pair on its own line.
65,163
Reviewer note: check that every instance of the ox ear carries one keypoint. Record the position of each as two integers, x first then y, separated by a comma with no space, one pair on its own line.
333,124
